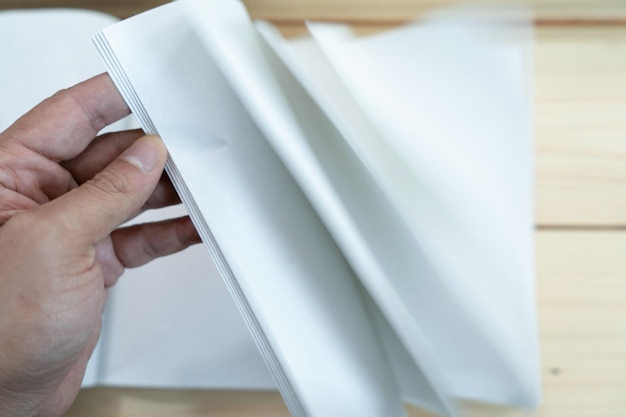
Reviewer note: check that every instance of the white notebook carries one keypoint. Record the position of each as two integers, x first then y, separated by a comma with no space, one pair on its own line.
366,199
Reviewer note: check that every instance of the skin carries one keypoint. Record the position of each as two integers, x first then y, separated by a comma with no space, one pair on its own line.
64,192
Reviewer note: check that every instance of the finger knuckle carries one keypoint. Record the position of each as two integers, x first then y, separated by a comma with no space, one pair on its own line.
68,99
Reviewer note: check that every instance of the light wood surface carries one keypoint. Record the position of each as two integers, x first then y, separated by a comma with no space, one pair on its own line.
580,108
581,125
548,11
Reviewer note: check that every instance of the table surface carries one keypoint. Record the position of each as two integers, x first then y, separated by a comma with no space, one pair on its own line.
580,116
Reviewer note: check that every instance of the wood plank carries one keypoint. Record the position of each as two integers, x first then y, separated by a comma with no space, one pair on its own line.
357,10
401,10
123,402
580,126
582,314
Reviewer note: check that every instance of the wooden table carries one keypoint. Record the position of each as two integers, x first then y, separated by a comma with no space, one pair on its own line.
580,62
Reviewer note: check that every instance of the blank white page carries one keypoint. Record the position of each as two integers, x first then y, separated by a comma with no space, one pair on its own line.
295,290
439,272
415,370
451,99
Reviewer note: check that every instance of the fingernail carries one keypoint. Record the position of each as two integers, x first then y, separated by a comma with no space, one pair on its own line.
144,153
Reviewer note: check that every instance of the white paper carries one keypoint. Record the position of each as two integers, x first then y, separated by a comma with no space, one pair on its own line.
292,285
467,76
457,113
419,384
439,112
341,190
43,51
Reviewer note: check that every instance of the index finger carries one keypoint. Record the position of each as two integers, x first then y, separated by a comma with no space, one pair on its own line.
63,125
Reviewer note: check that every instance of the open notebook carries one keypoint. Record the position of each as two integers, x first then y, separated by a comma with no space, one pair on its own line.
367,200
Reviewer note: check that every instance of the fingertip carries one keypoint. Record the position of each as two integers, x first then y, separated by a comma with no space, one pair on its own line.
146,153
188,234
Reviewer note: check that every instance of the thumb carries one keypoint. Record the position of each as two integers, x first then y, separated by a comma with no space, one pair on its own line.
114,195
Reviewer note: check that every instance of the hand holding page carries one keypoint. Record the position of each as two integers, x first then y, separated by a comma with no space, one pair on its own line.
367,200
156,331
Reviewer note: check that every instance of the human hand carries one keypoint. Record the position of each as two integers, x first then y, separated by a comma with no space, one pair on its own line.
63,196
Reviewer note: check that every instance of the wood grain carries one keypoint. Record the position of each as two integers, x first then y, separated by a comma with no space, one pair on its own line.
548,11
581,126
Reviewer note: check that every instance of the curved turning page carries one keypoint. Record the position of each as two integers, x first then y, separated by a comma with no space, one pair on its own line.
459,300
439,114
450,98
361,219
296,292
